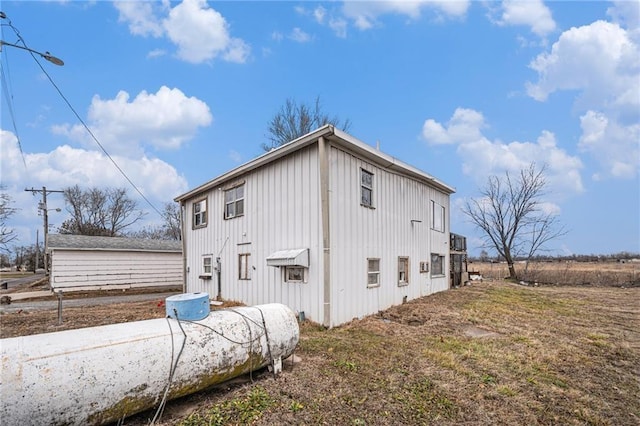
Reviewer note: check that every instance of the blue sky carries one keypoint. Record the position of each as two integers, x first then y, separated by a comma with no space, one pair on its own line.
181,92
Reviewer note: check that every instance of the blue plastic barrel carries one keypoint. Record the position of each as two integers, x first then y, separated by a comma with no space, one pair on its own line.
188,306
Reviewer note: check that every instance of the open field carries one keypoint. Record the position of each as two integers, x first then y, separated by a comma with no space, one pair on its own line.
489,353
608,273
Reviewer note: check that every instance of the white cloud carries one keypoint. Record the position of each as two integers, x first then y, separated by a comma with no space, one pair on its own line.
626,14
200,32
615,147
464,125
531,13
156,53
141,18
319,13
482,157
163,120
598,59
339,27
67,166
365,14
332,19
602,62
298,35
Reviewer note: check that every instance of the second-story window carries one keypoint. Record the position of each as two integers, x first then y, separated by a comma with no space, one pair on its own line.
366,188
200,213
234,202
437,217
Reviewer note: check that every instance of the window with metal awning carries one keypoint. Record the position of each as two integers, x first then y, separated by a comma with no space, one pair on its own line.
292,257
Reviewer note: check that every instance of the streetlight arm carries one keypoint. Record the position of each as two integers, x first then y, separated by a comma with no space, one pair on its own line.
46,55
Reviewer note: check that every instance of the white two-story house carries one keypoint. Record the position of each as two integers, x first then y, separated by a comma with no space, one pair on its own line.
325,224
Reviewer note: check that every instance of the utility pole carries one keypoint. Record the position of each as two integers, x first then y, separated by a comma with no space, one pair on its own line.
43,206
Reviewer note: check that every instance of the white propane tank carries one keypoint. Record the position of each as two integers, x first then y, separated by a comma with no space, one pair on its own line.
101,374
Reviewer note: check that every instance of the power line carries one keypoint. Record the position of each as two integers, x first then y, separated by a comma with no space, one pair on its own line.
83,123
9,97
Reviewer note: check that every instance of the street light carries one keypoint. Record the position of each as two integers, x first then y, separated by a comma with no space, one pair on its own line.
46,55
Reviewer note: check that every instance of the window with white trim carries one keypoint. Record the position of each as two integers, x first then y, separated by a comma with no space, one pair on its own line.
207,267
200,213
366,188
373,272
234,202
437,217
437,264
243,266
403,270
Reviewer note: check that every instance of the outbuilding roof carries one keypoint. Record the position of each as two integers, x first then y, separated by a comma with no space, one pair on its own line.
339,138
86,242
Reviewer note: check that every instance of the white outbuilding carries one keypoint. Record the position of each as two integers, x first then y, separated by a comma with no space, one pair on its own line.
81,262
326,224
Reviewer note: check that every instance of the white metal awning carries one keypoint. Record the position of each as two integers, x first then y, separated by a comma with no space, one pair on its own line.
293,257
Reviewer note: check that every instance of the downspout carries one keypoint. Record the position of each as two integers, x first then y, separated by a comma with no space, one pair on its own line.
326,235
184,246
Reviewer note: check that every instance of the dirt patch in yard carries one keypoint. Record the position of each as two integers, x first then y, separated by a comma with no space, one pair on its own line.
552,355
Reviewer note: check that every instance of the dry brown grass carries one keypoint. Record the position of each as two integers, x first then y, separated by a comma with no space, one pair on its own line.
555,355
567,273
566,356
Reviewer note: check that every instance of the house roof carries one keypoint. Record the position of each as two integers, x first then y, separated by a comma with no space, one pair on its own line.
86,242
337,137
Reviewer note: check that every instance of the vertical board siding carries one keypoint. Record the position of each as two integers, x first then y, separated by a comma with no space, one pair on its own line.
281,212
75,269
385,232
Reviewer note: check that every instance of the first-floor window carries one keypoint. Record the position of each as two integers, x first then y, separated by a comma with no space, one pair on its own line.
294,274
243,266
403,270
207,266
373,272
437,264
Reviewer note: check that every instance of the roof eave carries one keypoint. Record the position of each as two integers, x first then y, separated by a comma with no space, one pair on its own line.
389,161
265,158
336,136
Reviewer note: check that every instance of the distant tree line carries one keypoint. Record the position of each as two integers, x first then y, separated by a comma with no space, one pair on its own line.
612,257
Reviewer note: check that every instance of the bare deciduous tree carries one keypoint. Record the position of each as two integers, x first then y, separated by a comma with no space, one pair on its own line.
105,212
170,228
295,120
511,216
6,211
